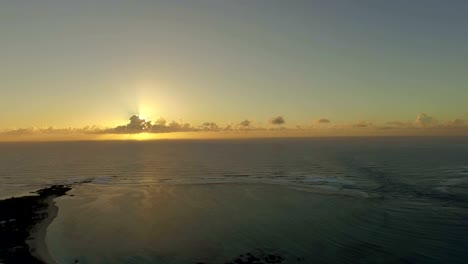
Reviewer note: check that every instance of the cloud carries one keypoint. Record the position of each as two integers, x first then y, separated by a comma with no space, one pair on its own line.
174,127
279,120
245,126
51,131
423,125
136,125
209,126
160,121
322,121
399,124
424,120
245,123
362,124
456,123
140,125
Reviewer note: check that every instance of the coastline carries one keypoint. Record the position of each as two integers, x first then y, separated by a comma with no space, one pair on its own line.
23,225
36,241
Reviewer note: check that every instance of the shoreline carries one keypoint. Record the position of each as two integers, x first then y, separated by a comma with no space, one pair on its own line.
36,241
23,225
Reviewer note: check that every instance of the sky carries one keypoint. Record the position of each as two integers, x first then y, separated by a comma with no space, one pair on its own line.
381,64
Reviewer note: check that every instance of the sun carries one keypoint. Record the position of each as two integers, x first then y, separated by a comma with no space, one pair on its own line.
145,111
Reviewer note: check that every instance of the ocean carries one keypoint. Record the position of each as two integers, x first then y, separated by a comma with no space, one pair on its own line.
315,200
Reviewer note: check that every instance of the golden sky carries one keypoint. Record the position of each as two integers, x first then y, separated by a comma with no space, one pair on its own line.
74,70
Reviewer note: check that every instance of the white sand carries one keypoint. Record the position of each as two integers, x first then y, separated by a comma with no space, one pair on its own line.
36,241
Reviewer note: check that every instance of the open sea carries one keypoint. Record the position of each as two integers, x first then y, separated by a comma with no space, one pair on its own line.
320,200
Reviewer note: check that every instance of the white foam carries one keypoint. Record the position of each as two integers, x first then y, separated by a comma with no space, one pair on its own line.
455,181
319,179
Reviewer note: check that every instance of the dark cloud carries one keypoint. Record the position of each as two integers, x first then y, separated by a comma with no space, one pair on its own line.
322,121
245,123
175,127
160,122
136,125
279,120
209,126
140,125
161,125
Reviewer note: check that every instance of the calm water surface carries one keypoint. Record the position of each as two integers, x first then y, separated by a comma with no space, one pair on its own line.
355,200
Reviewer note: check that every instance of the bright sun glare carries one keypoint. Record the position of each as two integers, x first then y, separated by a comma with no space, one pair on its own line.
142,136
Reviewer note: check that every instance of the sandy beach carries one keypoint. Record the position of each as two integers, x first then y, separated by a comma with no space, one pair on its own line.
36,240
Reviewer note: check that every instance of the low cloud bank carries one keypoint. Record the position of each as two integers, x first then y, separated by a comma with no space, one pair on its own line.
140,125
362,124
422,124
425,121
